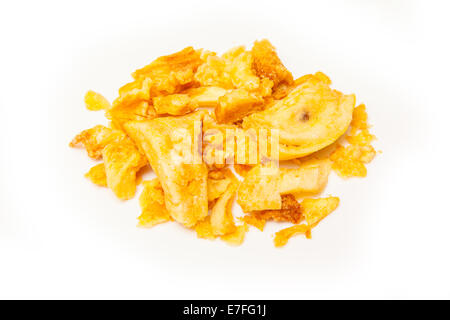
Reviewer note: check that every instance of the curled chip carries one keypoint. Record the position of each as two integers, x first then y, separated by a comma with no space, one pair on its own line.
193,115
174,104
222,221
152,204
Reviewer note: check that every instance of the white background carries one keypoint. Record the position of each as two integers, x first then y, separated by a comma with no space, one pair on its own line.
63,237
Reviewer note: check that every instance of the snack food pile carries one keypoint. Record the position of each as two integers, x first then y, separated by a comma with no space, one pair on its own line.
205,124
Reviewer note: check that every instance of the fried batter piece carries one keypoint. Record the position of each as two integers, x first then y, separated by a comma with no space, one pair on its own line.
253,221
222,221
315,210
96,138
172,73
283,236
236,104
133,102
95,101
267,64
206,96
349,161
290,211
152,204
122,162
236,238
218,183
262,188
166,147
311,117
97,175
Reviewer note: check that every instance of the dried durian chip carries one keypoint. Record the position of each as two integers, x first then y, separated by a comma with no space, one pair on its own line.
311,117
262,187
236,238
174,104
282,236
266,63
168,146
152,204
122,161
315,210
97,175
95,101
96,138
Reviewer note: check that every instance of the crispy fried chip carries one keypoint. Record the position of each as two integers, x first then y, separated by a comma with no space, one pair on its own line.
204,229
95,101
309,118
236,104
251,114
290,211
172,73
152,204
206,96
96,138
122,162
266,63
174,104
222,221
282,236
166,146
218,183
254,221
97,175
262,187
315,210
236,238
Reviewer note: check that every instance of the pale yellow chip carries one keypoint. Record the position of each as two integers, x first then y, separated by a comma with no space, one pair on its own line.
95,101
152,204
97,175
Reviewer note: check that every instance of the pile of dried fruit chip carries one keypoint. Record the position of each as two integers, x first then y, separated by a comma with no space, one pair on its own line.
182,107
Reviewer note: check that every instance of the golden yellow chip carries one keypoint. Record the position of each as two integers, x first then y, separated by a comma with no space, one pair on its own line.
282,236
152,204
315,210
236,238
95,101
97,175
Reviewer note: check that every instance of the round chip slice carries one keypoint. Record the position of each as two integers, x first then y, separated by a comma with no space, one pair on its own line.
309,118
